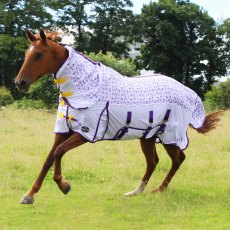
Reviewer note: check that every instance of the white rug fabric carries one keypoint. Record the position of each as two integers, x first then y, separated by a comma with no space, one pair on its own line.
101,104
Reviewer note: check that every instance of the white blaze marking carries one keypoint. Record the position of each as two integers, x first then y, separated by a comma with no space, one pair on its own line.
31,48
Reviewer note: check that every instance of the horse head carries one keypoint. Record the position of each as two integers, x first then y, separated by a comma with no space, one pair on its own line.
43,56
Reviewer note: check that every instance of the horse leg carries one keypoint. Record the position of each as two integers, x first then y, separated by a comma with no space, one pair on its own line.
177,156
73,141
149,150
29,197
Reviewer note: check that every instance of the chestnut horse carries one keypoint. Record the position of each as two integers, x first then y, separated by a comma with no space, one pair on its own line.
46,55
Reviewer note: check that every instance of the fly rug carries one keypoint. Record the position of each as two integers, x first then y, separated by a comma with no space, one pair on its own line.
101,104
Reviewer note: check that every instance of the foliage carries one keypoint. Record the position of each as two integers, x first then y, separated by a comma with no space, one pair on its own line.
46,91
15,17
5,97
218,97
197,198
25,103
124,66
111,26
12,50
96,25
225,89
224,34
72,17
181,41
213,99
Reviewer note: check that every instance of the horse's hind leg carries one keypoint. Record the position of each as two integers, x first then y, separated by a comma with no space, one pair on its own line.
149,150
177,156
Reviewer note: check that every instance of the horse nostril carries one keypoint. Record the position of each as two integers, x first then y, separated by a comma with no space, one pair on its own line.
23,83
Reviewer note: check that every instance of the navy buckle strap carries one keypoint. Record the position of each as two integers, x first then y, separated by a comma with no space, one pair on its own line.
150,124
150,117
163,125
124,129
121,133
128,119
147,131
166,117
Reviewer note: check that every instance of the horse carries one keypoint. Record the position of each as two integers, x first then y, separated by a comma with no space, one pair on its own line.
97,103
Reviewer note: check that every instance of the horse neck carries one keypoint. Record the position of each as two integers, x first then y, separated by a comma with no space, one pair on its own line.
60,55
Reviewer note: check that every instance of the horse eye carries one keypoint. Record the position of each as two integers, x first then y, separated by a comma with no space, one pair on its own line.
38,56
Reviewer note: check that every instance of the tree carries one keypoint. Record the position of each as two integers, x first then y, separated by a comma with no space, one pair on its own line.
224,35
180,40
15,17
224,28
72,17
96,25
12,51
110,26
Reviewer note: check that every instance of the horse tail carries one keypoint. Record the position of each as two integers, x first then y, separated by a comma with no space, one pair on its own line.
210,122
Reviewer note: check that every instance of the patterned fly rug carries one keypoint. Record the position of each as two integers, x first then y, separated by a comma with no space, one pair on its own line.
101,104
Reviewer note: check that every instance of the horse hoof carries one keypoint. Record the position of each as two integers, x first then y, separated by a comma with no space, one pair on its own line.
27,200
138,190
158,190
133,193
130,194
67,189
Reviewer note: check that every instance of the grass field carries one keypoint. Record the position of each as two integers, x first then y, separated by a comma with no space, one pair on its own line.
197,198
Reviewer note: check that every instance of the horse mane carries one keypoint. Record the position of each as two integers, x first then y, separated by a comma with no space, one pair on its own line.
53,36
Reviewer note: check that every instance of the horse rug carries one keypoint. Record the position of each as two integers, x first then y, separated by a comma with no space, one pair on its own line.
101,104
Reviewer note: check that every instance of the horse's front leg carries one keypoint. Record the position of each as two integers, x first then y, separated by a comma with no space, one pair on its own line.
73,141
29,197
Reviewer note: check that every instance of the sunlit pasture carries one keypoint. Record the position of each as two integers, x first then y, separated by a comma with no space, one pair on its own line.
197,198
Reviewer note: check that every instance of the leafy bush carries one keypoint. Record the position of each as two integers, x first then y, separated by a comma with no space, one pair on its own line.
45,90
124,66
225,88
25,103
5,97
218,97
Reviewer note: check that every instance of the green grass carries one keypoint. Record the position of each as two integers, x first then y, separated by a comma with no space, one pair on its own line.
197,198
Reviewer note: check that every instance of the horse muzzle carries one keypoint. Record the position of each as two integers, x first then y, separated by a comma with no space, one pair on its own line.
22,85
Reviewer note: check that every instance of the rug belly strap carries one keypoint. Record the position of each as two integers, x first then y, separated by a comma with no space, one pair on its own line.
125,129
163,125
143,131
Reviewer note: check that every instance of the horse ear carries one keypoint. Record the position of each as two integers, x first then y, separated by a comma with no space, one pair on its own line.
42,35
30,36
